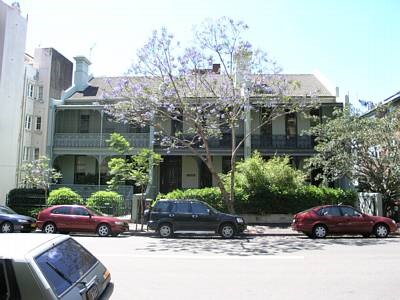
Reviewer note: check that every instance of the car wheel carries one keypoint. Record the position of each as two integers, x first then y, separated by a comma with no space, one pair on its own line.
7,227
103,230
319,231
381,231
227,231
49,228
165,230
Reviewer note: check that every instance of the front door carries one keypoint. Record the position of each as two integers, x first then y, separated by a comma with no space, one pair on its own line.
356,222
170,174
205,219
81,220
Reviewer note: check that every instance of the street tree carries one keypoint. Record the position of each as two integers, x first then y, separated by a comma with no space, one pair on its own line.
134,168
366,150
38,174
205,90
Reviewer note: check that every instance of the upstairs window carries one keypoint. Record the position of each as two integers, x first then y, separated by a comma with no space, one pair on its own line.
38,126
28,122
40,93
84,124
31,90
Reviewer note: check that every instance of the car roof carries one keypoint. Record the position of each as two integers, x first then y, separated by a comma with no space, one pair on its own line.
17,245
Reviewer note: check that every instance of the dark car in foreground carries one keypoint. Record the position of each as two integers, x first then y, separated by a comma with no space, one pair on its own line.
40,266
78,218
170,216
11,221
320,221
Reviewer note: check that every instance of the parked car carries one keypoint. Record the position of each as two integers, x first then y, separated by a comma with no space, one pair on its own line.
78,218
318,222
39,266
11,221
170,216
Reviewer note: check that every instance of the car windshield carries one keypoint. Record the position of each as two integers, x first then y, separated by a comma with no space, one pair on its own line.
7,211
95,212
65,264
216,211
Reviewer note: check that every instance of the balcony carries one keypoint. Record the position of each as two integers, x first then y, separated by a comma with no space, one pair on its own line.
97,140
281,142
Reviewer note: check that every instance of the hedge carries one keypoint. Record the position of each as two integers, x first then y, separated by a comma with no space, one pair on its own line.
64,195
105,201
270,202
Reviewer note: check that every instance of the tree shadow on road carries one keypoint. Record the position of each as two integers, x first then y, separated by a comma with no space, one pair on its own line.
254,246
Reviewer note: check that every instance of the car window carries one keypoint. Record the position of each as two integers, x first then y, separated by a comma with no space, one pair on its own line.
64,264
63,210
7,210
162,206
80,211
4,294
181,207
199,208
348,211
329,211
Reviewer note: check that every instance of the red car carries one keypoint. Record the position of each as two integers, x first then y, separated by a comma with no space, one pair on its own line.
320,221
78,218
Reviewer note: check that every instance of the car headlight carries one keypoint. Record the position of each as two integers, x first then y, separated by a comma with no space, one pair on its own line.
22,221
393,221
239,220
119,223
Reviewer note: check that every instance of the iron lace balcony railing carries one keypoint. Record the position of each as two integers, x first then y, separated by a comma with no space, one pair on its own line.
259,141
98,140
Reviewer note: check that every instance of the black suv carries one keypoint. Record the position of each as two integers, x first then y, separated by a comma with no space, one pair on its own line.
169,216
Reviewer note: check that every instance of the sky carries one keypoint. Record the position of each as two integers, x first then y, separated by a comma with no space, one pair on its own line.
355,44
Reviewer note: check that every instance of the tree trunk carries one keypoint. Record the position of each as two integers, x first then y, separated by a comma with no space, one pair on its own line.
233,162
142,209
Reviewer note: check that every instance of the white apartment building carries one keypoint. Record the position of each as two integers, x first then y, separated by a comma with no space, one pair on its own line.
47,74
13,27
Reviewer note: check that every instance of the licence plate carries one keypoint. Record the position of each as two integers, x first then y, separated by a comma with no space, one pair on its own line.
92,292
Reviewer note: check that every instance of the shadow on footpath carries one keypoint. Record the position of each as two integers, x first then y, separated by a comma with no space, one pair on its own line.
254,246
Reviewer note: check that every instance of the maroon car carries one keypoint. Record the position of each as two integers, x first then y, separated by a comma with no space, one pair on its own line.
318,222
78,218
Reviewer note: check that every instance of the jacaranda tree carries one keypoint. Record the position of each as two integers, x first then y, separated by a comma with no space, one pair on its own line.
206,90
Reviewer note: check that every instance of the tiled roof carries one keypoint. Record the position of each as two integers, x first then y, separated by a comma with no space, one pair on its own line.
307,84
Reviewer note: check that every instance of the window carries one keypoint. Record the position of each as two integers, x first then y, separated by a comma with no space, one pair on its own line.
291,125
36,153
84,124
64,264
181,207
30,90
28,122
80,211
199,208
162,206
40,93
63,210
38,123
26,154
349,212
4,294
329,211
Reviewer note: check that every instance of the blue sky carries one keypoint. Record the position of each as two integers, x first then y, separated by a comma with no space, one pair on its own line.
353,43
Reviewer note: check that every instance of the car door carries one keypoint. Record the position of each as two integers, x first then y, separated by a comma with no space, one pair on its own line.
81,220
182,216
61,217
356,222
204,218
332,218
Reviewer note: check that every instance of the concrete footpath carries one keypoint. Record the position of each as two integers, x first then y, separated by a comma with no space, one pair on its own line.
254,230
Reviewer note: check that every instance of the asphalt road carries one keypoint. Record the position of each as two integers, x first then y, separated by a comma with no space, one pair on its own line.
263,267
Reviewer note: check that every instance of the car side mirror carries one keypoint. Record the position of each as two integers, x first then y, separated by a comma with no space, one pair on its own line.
209,211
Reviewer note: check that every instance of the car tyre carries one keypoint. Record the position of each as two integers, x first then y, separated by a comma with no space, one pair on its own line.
103,230
165,230
381,231
49,228
319,231
227,231
7,227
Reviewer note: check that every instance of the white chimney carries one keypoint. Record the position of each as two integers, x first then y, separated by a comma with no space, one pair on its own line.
81,76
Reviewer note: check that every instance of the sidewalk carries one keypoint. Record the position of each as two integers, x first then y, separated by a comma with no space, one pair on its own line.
252,230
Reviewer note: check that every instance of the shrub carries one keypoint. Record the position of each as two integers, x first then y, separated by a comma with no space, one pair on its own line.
211,196
64,195
105,201
24,196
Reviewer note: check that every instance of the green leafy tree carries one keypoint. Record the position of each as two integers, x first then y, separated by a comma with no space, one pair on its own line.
136,167
103,200
364,149
38,174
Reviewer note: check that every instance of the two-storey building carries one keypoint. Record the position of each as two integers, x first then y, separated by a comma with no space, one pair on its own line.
78,147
